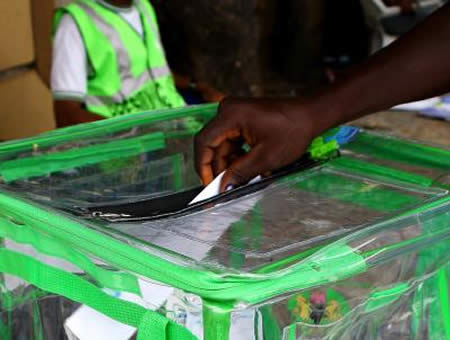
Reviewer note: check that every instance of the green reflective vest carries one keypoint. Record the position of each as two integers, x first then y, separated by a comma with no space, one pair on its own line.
129,73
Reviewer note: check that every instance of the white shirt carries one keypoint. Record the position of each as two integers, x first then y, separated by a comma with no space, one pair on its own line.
70,67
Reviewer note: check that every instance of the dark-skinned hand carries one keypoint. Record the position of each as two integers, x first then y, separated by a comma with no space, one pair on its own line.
277,131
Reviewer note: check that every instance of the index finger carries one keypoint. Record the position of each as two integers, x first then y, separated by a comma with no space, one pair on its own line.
208,140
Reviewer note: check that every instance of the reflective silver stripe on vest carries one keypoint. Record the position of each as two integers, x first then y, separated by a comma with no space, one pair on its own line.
129,84
152,24
100,101
121,53
136,84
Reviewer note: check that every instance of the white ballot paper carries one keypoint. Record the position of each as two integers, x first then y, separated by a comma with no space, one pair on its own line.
213,189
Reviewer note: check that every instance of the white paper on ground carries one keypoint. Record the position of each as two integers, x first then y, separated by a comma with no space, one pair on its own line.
87,324
213,189
243,325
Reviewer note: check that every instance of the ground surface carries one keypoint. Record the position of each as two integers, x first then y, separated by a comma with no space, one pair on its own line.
408,125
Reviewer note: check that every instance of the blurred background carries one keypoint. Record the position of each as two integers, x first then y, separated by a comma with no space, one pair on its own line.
265,48
289,47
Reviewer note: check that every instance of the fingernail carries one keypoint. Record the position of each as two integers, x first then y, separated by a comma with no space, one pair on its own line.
229,187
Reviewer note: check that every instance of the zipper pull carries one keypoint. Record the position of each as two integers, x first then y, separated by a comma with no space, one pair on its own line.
99,214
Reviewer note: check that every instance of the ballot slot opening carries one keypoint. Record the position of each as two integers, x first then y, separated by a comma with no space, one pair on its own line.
176,204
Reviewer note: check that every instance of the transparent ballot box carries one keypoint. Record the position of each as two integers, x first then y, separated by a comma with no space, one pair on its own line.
99,240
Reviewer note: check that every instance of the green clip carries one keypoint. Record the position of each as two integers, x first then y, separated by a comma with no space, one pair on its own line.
319,149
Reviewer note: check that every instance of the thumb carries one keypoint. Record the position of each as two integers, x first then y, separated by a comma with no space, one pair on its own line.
245,168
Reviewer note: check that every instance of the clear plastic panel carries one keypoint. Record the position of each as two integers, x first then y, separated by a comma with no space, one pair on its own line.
298,212
119,162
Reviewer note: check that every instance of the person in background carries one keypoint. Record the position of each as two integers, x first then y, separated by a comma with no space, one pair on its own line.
278,131
108,61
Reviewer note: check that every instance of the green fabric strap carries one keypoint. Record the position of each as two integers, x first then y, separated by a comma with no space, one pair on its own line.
153,326
57,248
80,157
55,281
156,326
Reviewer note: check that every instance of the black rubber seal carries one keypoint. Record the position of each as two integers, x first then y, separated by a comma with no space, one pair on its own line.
177,204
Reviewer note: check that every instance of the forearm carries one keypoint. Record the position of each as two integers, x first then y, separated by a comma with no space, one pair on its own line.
415,67
70,113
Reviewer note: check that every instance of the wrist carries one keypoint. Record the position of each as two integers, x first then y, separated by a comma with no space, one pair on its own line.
316,114
330,108
338,104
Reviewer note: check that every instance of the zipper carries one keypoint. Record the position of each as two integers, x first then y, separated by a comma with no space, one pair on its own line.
115,213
